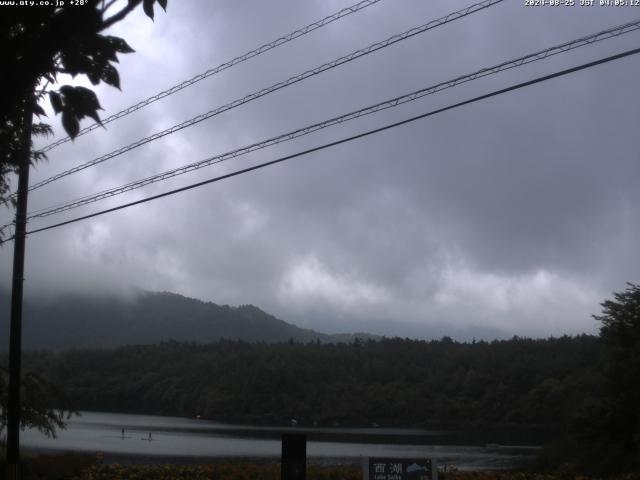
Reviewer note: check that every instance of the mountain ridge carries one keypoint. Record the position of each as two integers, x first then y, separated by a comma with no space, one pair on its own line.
80,321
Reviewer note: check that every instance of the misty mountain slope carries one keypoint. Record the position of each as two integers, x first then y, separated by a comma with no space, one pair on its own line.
75,321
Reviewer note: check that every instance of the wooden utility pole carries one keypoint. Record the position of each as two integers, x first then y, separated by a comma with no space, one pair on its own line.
15,329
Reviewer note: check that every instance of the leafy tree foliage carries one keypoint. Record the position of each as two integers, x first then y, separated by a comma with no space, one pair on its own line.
603,434
610,429
38,395
620,333
36,45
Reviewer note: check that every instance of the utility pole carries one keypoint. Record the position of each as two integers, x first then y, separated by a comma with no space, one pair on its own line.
15,329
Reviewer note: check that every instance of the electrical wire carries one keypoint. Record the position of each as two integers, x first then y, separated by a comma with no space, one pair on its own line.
344,140
223,66
523,60
277,86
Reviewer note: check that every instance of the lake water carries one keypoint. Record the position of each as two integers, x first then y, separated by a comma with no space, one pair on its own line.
174,437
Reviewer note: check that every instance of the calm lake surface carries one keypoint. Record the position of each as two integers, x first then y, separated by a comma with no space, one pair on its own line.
190,438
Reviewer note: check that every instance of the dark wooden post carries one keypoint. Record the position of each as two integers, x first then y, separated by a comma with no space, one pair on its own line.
293,463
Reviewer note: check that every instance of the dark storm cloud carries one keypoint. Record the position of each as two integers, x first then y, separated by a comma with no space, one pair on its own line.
514,214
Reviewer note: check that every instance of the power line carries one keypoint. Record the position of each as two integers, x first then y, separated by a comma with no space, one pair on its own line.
239,59
529,58
347,139
277,86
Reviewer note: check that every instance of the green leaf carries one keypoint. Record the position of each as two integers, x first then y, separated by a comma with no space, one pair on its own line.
79,102
37,109
87,103
94,114
41,129
119,44
94,77
147,6
70,124
110,76
56,101
86,99
103,49
67,90
76,62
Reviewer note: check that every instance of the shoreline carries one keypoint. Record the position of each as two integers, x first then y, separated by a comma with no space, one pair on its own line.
147,459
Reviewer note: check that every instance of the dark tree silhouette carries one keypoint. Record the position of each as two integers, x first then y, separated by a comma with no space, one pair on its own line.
619,416
604,433
44,406
36,45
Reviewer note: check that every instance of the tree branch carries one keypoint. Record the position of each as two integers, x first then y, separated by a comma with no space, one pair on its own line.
107,6
120,15
43,90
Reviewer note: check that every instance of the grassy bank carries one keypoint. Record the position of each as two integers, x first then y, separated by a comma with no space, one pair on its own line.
84,467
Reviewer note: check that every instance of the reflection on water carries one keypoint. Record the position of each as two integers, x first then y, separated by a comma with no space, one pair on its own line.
171,436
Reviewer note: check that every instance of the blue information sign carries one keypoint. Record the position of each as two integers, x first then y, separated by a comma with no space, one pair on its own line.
399,469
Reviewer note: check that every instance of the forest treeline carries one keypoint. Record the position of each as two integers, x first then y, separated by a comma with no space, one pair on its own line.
395,382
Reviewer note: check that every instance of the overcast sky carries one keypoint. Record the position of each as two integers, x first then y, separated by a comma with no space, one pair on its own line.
515,215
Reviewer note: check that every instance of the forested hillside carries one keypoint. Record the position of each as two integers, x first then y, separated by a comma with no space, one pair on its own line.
391,382
108,321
